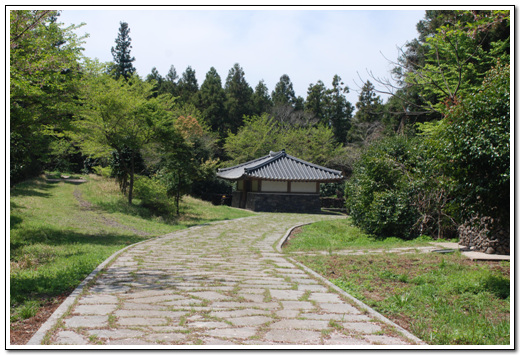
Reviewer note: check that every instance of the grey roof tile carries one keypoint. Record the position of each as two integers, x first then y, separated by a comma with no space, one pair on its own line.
280,166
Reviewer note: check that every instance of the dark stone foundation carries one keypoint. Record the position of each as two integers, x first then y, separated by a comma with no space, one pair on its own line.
282,202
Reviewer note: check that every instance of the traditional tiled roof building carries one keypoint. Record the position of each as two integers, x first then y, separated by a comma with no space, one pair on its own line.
279,182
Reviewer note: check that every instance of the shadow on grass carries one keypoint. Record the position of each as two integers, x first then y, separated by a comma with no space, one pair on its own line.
48,280
54,237
36,187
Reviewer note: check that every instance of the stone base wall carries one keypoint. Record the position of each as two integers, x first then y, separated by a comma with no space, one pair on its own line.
480,234
235,200
294,203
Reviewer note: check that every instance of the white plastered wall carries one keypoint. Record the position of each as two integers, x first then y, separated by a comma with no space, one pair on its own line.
308,187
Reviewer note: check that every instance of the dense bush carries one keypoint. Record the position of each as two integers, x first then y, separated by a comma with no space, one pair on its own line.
380,192
152,193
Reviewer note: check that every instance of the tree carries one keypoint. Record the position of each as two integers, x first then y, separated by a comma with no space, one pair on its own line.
121,53
472,147
261,134
317,101
238,97
339,110
261,99
283,93
368,117
211,101
121,116
156,80
187,87
44,76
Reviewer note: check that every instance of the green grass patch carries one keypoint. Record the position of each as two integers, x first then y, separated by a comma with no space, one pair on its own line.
342,234
60,232
442,299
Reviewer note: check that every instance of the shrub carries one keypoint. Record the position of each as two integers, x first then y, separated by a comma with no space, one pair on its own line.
379,194
152,193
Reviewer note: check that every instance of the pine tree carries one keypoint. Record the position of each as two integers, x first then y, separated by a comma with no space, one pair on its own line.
211,100
121,53
238,97
283,93
187,86
261,100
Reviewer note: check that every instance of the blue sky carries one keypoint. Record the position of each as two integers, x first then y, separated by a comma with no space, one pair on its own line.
308,44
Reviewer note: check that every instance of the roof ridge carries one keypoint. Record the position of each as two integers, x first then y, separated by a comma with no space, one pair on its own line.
242,164
274,157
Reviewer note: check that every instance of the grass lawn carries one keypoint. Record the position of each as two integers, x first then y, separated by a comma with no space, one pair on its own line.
341,234
441,298
60,232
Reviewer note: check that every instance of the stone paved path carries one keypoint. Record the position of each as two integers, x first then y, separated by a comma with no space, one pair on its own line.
219,284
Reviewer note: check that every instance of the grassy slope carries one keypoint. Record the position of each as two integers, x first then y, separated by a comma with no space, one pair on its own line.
60,232
341,234
443,299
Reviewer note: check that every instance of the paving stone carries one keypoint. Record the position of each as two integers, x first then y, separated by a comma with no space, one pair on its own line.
250,321
152,293
148,313
384,340
341,339
325,297
97,309
293,336
235,333
297,305
288,313
168,338
287,294
116,333
66,337
215,341
300,324
131,321
211,296
239,313
208,325
143,306
86,321
336,316
313,288
98,299
156,299
129,341
339,308
362,327
252,297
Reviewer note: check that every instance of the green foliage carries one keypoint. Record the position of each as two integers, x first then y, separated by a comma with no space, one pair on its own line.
153,195
122,116
472,146
238,98
379,194
43,86
261,134
121,53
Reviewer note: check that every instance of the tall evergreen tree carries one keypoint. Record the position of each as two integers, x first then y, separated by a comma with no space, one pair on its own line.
370,105
170,81
187,86
317,100
121,53
339,110
211,101
156,80
283,93
261,100
238,97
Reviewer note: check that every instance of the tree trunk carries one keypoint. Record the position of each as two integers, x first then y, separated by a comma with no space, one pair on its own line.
131,186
